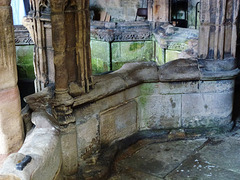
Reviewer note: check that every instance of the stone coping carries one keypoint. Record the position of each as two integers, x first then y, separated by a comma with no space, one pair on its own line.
42,144
121,31
167,36
133,74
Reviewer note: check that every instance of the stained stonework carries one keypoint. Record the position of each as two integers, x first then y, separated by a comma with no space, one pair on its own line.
218,31
158,10
119,10
11,127
118,123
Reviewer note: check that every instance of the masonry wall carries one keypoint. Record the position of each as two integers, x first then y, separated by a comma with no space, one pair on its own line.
119,10
154,106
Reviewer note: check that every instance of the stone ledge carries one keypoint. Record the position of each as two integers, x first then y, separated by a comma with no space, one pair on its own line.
133,74
43,145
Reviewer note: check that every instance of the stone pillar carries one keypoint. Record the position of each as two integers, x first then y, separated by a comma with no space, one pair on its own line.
38,23
218,31
83,44
63,38
158,10
11,126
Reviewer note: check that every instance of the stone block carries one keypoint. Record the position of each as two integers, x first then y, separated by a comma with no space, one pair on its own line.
219,86
159,112
118,122
149,88
11,125
207,110
178,87
132,92
179,70
114,84
43,146
69,150
87,135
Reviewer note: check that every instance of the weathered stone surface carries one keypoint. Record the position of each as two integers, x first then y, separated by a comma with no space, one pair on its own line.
170,88
207,110
9,177
179,70
179,43
43,146
119,10
40,100
44,120
69,150
118,122
226,148
8,68
158,159
11,125
197,167
216,160
115,84
217,39
221,86
128,76
159,111
87,135
136,174
136,73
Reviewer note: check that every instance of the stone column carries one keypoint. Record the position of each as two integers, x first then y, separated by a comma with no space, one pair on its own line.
38,23
218,31
83,44
11,126
63,38
63,101
158,10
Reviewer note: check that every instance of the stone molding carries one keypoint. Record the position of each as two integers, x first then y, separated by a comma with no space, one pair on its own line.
133,74
119,32
22,36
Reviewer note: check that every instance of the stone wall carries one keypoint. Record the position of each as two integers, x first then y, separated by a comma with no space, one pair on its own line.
121,53
192,14
119,10
135,100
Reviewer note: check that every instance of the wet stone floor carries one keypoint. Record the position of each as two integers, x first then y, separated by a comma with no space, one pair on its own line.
215,158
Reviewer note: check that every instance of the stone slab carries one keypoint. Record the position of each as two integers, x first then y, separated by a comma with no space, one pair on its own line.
197,168
228,150
158,159
87,135
206,110
11,125
159,111
118,122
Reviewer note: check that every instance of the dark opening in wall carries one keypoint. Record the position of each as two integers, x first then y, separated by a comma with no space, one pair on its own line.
179,13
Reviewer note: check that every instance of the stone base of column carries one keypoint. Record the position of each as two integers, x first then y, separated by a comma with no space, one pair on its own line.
11,125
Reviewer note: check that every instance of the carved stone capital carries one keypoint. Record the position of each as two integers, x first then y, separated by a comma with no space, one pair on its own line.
62,107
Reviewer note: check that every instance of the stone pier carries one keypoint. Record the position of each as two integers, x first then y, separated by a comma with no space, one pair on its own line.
11,127
218,29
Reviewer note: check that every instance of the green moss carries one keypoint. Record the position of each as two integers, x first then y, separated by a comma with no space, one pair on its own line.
99,66
142,101
136,45
24,57
171,55
100,56
117,65
147,88
159,55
